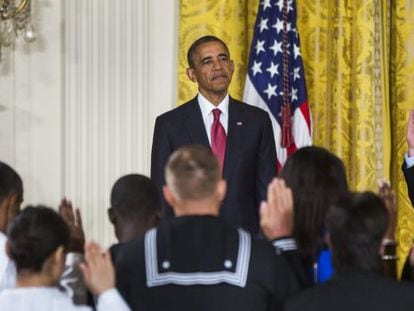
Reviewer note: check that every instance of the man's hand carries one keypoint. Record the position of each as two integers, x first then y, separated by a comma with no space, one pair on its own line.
74,221
98,270
388,196
410,134
276,215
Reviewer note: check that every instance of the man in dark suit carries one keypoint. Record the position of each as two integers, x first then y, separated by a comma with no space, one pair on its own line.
240,135
408,170
356,226
197,261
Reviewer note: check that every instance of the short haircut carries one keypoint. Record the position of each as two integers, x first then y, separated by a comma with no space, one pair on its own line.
34,235
200,41
192,172
135,196
317,178
356,225
10,182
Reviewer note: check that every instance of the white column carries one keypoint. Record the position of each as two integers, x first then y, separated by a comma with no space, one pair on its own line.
119,64
77,107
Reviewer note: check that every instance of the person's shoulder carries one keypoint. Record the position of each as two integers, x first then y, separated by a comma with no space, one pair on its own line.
263,247
251,110
129,251
64,301
398,287
37,298
264,256
335,291
114,250
307,298
178,111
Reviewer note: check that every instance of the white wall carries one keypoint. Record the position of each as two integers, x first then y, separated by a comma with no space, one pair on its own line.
31,105
77,107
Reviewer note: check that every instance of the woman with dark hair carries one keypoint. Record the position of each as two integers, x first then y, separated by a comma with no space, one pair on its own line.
37,240
357,225
317,179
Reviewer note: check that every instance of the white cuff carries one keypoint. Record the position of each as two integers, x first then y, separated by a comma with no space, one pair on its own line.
288,244
111,300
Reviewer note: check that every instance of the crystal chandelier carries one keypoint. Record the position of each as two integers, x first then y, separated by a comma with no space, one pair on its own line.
15,20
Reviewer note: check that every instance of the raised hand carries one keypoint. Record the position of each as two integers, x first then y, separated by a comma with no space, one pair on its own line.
276,214
74,220
98,270
388,196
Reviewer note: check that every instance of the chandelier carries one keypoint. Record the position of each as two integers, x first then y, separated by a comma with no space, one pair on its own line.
14,21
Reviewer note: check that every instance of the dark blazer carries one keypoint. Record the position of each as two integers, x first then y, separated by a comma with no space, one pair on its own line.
356,291
408,271
409,179
202,263
250,162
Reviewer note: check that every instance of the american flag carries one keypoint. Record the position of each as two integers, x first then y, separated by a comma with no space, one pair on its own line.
275,78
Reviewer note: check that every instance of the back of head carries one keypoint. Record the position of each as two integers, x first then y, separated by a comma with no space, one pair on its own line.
192,173
317,179
205,39
356,225
10,183
34,235
135,197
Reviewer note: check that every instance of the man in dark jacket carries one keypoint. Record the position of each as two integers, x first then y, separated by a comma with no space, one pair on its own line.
240,135
408,170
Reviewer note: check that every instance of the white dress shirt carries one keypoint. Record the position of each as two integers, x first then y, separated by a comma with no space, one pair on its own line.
409,160
208,118
51,299
7,267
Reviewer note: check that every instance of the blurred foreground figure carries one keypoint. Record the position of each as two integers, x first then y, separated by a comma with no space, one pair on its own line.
37,241
356,226
11,197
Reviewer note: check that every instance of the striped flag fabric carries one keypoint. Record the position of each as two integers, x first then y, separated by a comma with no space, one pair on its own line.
275,78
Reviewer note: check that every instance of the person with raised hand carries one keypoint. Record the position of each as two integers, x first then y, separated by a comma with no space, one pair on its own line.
71,281
37,241
311,179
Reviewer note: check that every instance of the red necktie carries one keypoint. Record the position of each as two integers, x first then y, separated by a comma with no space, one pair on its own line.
218,138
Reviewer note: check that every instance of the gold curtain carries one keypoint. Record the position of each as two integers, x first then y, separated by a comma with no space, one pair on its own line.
359,62
358,55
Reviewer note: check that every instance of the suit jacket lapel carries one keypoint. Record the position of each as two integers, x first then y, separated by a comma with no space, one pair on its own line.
235,133
195,124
